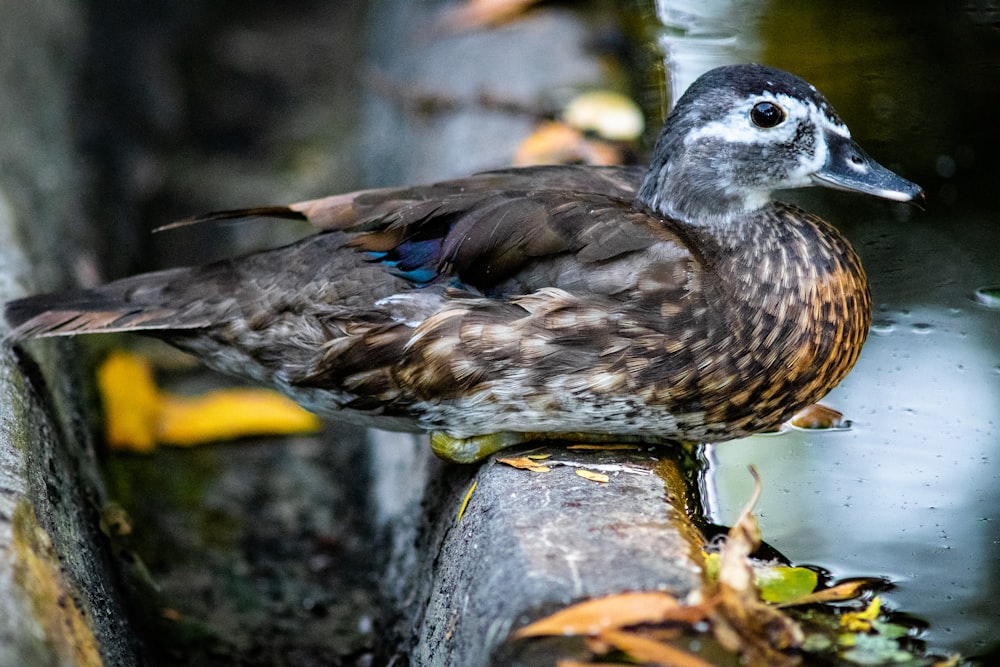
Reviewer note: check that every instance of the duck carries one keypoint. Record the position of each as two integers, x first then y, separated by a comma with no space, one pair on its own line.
676,303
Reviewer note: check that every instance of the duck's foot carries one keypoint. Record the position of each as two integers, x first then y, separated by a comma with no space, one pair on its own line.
475,448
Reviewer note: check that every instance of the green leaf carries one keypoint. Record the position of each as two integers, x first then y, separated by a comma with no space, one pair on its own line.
781,584
875,650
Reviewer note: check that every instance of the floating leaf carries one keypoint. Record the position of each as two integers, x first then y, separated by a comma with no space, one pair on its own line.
818,417
741,621
593,617
781,584
875,650
861,621
649,650
890,630
777,584
593,476
847,590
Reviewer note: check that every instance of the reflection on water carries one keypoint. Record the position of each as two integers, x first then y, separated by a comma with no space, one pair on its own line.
912,491
698,36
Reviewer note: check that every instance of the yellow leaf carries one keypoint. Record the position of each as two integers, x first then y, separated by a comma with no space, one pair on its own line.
138,415
593,617
861,621
524,463
465,500
227,414
131,402
593,476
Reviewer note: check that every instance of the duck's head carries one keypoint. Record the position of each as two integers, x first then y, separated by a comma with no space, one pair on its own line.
740,132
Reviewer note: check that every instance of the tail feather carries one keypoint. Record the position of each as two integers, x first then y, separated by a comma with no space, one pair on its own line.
285,212
132,304
29,321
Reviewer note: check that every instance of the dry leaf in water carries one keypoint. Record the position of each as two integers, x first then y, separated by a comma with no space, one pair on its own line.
645,649
741,621
818,417
847,590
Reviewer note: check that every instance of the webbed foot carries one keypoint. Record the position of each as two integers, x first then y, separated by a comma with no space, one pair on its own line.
474,448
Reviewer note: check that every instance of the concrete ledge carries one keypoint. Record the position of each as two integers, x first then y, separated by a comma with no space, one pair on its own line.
58,601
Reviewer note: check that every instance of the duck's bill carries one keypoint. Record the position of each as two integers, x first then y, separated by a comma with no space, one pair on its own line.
848,167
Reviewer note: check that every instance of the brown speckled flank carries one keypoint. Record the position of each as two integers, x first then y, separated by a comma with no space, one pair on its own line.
676,302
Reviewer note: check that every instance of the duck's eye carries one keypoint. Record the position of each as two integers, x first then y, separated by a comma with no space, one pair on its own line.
767,115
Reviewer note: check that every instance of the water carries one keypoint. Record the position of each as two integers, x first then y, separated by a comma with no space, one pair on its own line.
911,492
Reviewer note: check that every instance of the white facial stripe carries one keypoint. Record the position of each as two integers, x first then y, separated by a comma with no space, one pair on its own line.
737,127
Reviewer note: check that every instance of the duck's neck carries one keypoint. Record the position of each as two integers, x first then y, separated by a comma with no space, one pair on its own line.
690,192
697,181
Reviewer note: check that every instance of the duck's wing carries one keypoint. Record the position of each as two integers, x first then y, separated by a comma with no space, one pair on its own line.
483,239
404,206
501,232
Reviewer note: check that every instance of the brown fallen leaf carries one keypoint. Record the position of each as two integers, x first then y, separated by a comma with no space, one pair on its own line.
524,463
593,617
741,621
593,476
649,650
847,590
817,417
